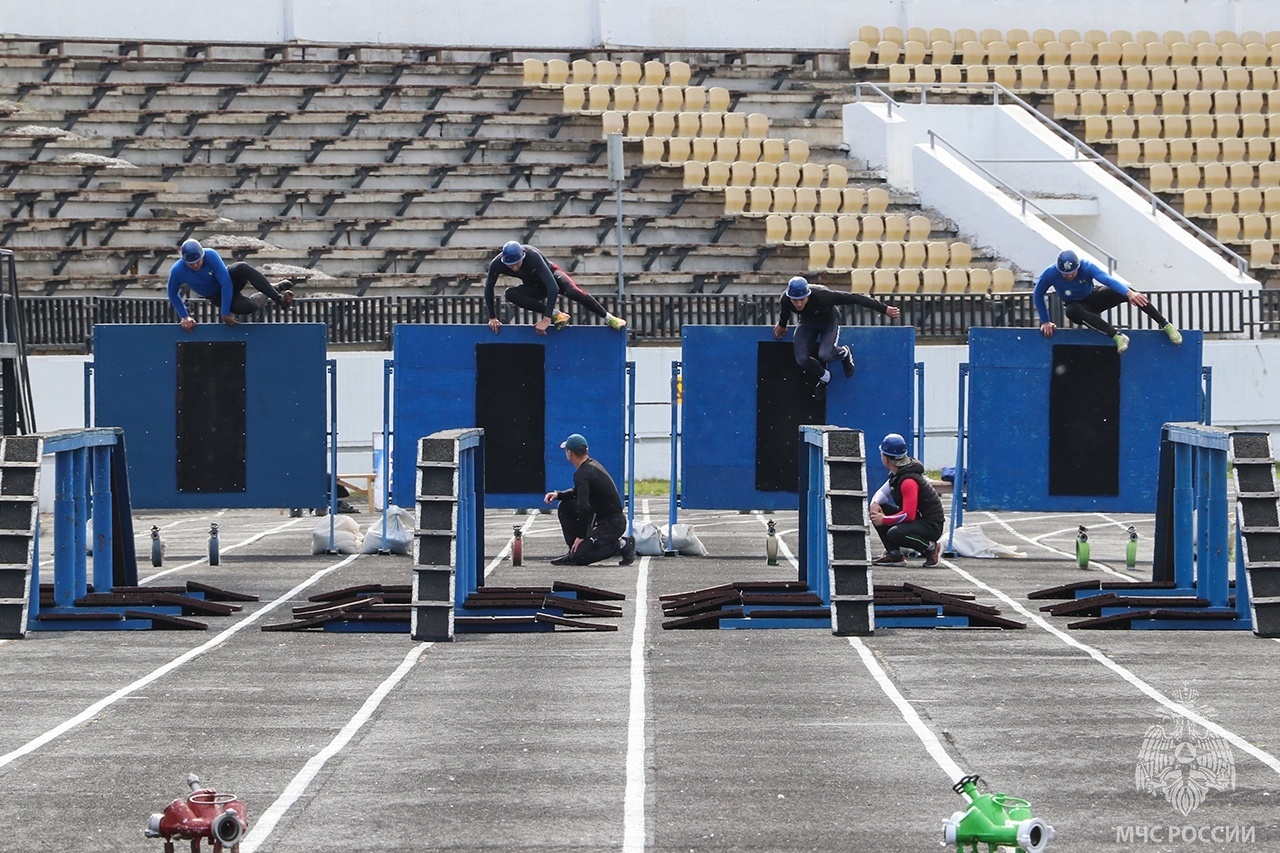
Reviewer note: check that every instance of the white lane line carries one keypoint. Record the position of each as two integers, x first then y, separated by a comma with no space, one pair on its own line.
222,550
1235,740
634,833
266,824
1036,541
104,703
932,745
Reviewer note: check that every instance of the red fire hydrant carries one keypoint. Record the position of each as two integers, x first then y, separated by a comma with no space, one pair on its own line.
204,813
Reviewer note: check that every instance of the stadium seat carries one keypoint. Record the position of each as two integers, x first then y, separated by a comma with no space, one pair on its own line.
871,227
695,98
837,176
1056,53
728,150
957,280
784,199
637,124
933,281
654,151
663,124
824,227
614,122
904,281
648,98
735,201
680,73
1194,203
599,97
574,98
630,72
848,225
679,150
914,254
695,174
961,254
735,125
937,254
855,200
860,53
829,201
843,254
800,227
1160,178
797,151
624,98
557,72
788,175
582,72
535,72
1253,226
877,200
655,73
1221,200
766,174
671,98
1261,253
688,124
812,175
860,281
919,227
775,229
807,201
717,175
887,53
741,173
704,150
979,280
895,227
914,52
819,255
757,125
884,282
748,149
1002,280
761,199
868,254
891,255
718,99
606,72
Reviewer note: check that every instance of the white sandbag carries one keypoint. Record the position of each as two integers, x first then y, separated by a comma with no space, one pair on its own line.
683,539
346,535
399,533
972,542
649,541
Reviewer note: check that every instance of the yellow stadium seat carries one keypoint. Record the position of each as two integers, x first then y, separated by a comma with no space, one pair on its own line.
919,227
1253,226
1132,53
599,97
1160,177
1208,150
895,227
855,200
717,174
860,53
1109,53
914,52
941,52
663,124
1268,175
797,151
1128,152
728,150
1137,79
1081,53
877,200
1123,127
899,74
800,229
860,281
933,281
884,281
535,72
869,33
1027,52
1207,54
1055,52
1002,280
1157,53
963,34
837,176
582,72
868,254
574,98
624,98
1006,76
1240,175
1030,78
1234,150
999,52
848,225
819,256
1065,105
1218,175
773,150
1091,103
735,125
1271,200
678,150
1155,150
914,254
1261,253
1173,103
766,174
1069,35
961,254
979,280
655,73
1057,78
829,200
1181,53
671,98
695,174
888,53
648,98
748,149
788,175
1111,80
741,173
812,175
757,125
1085,77
654,151
630,72
1162,78
557,72
906,281
843,254
695,98
893,34
735,201
614,122
1221,200
784,199
1189,175
775,229
807,200
688,124
871,227
1194,203
891,255
679,73
606,72
824,228
703,150
937,254
957,280
972,53
761,200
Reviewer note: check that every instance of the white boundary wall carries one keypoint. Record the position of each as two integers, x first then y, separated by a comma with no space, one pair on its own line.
764,24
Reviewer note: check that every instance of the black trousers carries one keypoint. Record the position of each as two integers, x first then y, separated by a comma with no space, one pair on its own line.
1088,311
814,346
918,535
599,538
243,275
533,297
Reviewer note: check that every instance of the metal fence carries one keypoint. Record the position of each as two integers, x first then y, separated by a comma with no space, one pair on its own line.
65,323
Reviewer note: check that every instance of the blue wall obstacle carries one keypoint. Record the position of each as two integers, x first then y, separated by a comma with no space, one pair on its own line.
436,375
156,382
719,433
1009,425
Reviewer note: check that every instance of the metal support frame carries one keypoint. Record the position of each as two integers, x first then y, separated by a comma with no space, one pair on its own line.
919,370
962,436
676,394
631,446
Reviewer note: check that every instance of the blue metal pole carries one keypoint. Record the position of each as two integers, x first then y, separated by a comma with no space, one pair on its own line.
331,368
1183,517
1243,610
815,533
676,394
80,507
33,595
1213,563
103,507
64,520
465,570
919,410
388,368
631,446
957,487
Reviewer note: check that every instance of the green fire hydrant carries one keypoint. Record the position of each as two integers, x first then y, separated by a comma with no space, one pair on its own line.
996,820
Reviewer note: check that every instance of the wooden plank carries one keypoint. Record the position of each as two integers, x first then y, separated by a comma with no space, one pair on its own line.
701,605
588,592
705,592
163,622
574,605
213,593
576,624
705,620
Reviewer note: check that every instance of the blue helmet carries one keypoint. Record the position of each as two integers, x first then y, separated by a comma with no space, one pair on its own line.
192,251
894,446
512,253
1068,261
798,287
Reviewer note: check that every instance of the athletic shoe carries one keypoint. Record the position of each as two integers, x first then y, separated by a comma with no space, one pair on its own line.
1122,343
615,322
562,319
932,555
847,361
890,558
628,552
563,560
1174,334
820,391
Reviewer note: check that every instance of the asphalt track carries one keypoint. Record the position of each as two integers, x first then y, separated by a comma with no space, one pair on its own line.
642,738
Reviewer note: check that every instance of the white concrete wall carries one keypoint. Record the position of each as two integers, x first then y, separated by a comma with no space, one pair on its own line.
1151,250
1244,397
787,24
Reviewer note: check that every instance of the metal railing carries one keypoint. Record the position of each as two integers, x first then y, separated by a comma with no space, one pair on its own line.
1080,150
65,323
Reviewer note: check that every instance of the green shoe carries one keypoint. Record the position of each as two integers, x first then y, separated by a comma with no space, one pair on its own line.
1174,334
1122,343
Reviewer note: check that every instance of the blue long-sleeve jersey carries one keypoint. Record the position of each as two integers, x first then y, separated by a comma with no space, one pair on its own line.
1075,290
211,280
